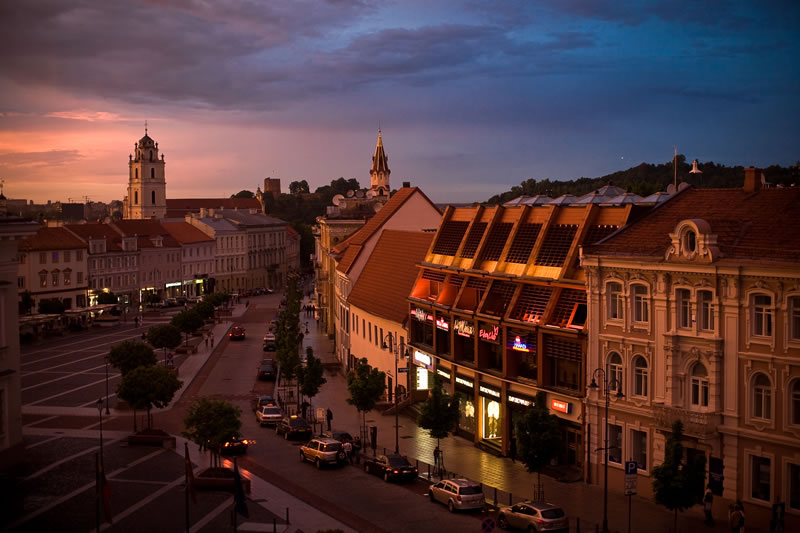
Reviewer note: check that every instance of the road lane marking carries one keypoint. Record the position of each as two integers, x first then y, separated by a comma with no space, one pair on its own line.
48,419
141,503
92,384
49,368
80,341
69,458
84,372
200,524
45,441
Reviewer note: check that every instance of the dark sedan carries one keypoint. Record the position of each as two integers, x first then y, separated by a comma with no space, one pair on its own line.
293,426
236,333
235,445
267,370
390,467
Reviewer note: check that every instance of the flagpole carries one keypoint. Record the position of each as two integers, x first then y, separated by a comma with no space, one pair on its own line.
97,490
235,498
186,475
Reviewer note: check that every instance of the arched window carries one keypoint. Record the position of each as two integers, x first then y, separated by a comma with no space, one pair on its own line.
761,315
641,306
136,171
699,386
762,397
152,173
136,197
795,392
640,376
614,296
614,370
153,197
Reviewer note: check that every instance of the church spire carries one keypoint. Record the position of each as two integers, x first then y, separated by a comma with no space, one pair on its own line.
379,173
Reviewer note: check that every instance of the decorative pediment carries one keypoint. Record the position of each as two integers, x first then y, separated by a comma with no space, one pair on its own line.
692,241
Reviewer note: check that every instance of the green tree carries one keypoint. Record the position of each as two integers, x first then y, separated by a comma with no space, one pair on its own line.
439,413
216,298
129,355
365,385
188,322
107,298
311,376
298,187
677,485
205,309
148,386
25,302
539,439
244,194
288,338
165,336
210,422
51,306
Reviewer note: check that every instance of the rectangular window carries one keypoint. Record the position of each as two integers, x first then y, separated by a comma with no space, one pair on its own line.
760,474
684,307
55,278
614,301
43,258
55,257
640,304
762,315
382,339
615,444
370,332
79,255
699,392
706,310
639,448
80,277
67,257
67,278
793,483
377,340
20,282
794,318
363,328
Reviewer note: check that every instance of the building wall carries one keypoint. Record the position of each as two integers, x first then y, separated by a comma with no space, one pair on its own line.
65,275
364,342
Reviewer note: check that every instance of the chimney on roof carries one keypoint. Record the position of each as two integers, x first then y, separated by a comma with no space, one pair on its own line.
753,178
406,184
203,212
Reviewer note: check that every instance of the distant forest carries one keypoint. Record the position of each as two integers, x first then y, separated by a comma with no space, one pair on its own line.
645,179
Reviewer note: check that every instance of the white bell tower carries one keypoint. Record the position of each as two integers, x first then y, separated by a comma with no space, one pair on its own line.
147,186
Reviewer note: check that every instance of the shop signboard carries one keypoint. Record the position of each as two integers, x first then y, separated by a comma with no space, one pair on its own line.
421,314
561,406
441,323
489,333
443,373
520,399
465,382
520,345
488,391
463,327
423,359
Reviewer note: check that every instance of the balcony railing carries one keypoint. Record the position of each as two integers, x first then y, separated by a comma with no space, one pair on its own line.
695,423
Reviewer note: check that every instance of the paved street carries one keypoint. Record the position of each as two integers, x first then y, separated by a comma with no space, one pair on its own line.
62,438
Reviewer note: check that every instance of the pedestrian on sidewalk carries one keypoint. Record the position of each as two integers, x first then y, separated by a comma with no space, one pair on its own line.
348,451
708,500
512,449
736,518
205,338
357,450
136,321
329,417
212,339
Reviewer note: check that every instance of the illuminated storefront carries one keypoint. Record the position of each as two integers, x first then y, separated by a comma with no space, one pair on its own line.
465,388
491,411
423,368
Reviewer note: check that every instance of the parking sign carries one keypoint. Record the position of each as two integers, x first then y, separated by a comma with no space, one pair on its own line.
630,478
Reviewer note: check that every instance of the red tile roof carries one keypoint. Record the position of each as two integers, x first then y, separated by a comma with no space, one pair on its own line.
759,225
96,230
145,228
178,207
51,239
185,233
390,273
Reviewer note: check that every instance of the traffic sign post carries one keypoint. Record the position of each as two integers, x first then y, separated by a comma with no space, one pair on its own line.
630,486
488,525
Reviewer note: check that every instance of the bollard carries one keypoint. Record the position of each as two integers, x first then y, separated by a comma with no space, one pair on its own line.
287,515
495,497
274,525
429,472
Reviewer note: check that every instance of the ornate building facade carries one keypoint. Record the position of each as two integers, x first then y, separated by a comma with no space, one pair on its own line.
147,186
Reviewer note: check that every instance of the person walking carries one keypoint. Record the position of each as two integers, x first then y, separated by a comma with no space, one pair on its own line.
212,339
329,417
348,451
737,519
205,338
708,500
512,449
357,450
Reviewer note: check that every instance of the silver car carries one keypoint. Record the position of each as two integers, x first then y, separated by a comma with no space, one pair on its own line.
533,517
457,494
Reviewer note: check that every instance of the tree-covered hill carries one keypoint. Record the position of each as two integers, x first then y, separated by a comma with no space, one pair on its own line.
646,179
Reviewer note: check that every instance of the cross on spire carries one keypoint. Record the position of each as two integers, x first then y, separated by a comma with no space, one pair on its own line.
145,127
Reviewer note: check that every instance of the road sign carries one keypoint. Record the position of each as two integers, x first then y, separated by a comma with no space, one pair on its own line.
488,525
630,478
402,370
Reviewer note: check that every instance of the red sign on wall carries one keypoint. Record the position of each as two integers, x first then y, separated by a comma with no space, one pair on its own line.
561,406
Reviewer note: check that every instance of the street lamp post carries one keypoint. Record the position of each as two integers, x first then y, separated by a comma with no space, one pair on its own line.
395,349
100,468
100,412
106,361
607,385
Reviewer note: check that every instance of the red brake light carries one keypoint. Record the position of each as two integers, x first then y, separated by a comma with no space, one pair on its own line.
458,497
395,472
244,441
415,470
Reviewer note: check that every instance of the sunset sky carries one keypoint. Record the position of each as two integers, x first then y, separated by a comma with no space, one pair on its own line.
472,97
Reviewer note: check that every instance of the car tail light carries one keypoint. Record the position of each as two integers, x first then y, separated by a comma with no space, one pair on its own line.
244,441
395,472
415,470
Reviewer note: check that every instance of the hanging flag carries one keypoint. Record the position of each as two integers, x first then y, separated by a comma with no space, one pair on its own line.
105,489
238,492
190,475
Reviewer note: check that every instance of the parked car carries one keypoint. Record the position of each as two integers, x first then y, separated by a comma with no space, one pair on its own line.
181,300
269,342
236,333
322,451
390,467
341,436
457,494
269,415
235,445
266,371
533,517
171,302
292,426
260,401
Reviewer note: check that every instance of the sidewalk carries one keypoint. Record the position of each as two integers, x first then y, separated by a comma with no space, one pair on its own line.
465,460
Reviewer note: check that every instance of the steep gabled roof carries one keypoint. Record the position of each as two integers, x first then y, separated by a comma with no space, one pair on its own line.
380,218
390,272
759,225
51,239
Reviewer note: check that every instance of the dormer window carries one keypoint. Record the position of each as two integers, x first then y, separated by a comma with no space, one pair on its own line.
690,241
